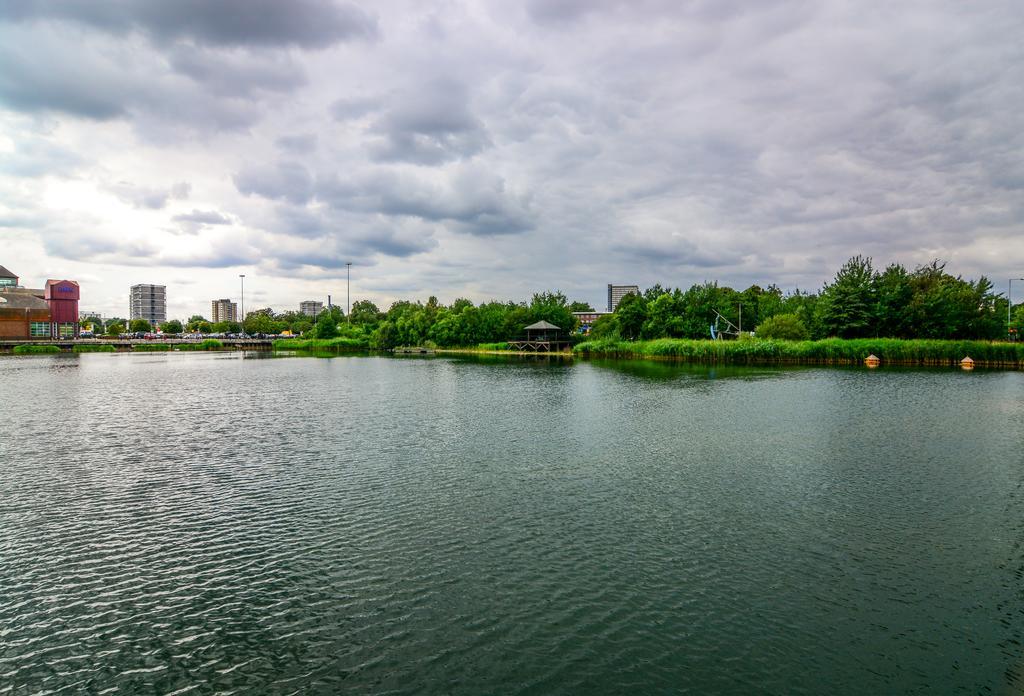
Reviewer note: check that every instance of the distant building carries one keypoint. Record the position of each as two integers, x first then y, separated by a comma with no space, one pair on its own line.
617,292
148,302
311,308
23,314
86,316
587,319
63,296
50,312
7,279
223,310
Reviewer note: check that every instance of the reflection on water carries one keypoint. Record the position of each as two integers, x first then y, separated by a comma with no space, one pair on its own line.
486,524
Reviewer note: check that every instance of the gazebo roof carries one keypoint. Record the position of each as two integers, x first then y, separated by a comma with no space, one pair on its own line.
541,326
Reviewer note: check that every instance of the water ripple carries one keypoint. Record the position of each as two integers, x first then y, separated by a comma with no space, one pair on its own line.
217,524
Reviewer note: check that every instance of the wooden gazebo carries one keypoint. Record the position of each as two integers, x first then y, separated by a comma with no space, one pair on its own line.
542,337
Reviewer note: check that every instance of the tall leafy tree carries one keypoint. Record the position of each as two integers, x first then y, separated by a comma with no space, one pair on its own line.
894,294
848,303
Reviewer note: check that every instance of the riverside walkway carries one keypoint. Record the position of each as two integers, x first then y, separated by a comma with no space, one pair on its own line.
126,344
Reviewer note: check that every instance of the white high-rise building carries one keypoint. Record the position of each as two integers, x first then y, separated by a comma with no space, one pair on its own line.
148,302
617,292
223,310
311,308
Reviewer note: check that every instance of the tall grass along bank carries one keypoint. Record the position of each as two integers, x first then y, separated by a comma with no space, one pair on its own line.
324,345
832,351
94,348
35,350
205,344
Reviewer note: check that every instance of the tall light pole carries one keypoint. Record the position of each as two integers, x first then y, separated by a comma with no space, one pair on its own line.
348,291
241,319
1009,303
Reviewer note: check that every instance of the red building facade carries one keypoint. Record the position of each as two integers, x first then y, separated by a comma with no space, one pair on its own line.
63,296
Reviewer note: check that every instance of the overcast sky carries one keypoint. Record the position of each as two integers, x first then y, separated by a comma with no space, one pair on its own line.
490,150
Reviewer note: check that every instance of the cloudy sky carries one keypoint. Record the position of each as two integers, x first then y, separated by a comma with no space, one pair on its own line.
489,150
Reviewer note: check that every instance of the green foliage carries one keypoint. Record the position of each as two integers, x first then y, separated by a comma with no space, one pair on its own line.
848,303
35,350
140,326
325,327
226,327
205,344
115,328
94,348
173,326
262,321
150,347
787,327
314,345
632,314
828,351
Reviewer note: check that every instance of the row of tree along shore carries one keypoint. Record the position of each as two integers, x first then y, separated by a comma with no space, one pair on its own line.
931,310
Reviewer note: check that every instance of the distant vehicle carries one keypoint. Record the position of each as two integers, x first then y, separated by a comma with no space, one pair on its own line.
85,334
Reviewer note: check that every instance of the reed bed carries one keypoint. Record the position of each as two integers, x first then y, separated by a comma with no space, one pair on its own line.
35,350
492,346
323,345
150,347
832,351
94,348
205,344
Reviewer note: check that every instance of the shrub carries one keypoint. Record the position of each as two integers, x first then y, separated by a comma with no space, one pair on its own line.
35,350
94,348
787,327
150,347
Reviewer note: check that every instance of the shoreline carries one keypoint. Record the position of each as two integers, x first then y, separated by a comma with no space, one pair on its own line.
824,353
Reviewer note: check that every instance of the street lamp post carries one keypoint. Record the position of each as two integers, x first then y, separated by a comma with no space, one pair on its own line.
1009,303
241,319
348,291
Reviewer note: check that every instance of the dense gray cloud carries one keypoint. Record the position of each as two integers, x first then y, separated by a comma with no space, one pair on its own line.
285,181
308,23
429,124
147,197
501,149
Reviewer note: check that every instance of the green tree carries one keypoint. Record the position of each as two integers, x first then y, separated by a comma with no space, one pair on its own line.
848,303
580,307
385,337
173,326
227,327
115,328
325,326
552,307
631,313
894,295
365,313
784,326
140,326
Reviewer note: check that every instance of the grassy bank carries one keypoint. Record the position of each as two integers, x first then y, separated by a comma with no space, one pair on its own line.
833,351
206,344
35,350
150,347
322,345
94,348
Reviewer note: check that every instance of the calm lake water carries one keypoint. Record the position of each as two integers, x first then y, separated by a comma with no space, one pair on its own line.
201,523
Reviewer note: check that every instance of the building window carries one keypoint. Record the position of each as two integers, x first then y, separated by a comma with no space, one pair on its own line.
66,330
39,329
